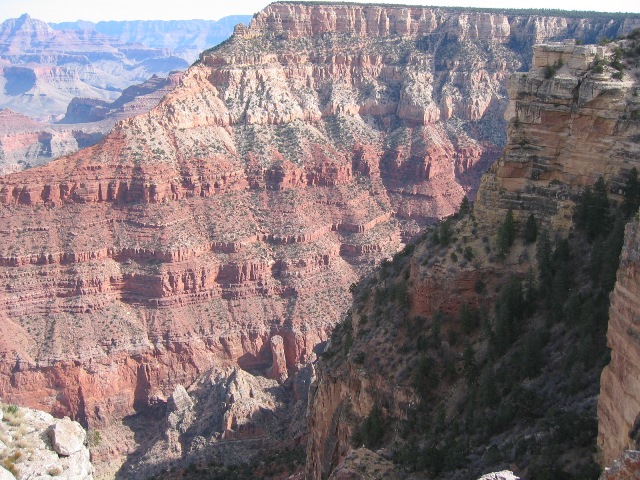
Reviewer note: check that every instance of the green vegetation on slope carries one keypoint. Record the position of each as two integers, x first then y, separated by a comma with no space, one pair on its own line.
510,379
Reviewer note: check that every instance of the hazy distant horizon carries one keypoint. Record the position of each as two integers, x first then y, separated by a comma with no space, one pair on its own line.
105,10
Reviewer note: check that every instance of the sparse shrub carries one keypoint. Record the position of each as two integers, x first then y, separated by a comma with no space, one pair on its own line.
468,254
551,70
55,470
13,415
371,431
94,438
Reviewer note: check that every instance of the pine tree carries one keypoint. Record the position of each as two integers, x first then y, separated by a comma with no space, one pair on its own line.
465,206
506,234
467,319
545,265
469,364
631,201
611,254
531,229
592,211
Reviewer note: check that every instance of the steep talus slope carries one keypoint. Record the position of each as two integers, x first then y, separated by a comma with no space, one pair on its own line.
480,346
284,165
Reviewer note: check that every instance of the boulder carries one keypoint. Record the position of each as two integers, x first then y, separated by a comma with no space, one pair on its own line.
67,437
180,400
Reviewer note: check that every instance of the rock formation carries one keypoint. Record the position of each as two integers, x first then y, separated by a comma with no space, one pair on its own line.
619,403
567,129
228,416
625,467
285,164
33,444
504,475
25,143
279,362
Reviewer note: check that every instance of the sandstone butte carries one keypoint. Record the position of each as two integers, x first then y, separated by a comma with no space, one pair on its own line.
565,132
284,165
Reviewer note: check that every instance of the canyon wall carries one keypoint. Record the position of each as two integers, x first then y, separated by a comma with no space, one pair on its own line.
283,166
566,130
619,403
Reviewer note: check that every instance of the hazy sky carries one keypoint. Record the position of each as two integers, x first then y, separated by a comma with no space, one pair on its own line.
94,10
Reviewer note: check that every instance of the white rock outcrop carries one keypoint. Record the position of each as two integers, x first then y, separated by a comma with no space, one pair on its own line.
43,447
503,475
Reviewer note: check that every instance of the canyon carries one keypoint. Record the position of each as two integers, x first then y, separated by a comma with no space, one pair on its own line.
81,78
25,143
184,38
42,69
396,376
207,249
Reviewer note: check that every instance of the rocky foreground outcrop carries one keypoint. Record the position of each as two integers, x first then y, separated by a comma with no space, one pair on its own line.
33,444
285,164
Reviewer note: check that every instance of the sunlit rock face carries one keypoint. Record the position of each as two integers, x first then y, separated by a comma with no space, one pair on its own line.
284,164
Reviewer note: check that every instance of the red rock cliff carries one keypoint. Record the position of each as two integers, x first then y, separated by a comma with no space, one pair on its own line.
285,164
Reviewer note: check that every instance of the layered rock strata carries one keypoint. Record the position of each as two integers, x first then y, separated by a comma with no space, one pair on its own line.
565,132
285,164
570,125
